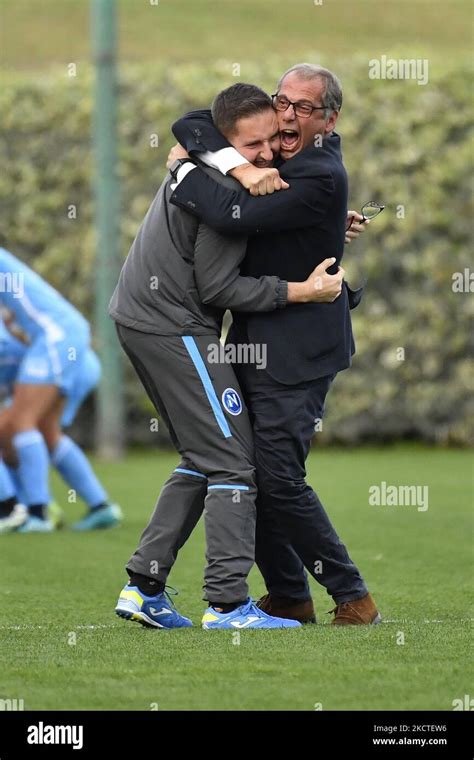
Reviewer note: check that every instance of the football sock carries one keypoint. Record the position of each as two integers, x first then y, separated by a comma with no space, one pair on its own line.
146,585
6,506
20,494
73,465
102,505
37,510
7,486
224,608
33,467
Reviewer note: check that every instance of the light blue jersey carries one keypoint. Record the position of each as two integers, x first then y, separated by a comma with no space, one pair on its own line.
37,308
58,335
86,374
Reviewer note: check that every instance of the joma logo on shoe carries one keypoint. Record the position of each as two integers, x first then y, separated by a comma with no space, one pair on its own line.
249,620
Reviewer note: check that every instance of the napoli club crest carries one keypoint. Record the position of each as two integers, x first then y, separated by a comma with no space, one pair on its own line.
231,401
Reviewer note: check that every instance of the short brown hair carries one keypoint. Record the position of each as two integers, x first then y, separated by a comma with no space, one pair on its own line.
236,102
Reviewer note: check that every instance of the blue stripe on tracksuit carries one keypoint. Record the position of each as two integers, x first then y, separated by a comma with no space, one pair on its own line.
233,488
217,485
193,351
190,472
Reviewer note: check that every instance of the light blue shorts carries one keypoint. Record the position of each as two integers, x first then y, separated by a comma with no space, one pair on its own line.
87,377
10,360
48,362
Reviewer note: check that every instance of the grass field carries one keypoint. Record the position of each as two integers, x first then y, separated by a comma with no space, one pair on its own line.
33,35
61,646
418,566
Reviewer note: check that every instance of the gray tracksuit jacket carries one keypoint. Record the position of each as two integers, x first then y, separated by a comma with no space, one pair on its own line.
181,275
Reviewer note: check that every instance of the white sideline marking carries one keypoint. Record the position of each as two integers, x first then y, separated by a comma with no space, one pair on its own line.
452,620
117,625
405,620
48,627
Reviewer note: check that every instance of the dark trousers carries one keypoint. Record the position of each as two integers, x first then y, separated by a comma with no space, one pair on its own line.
293,530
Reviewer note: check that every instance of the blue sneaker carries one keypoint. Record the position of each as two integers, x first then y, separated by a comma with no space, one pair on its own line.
105,517
151,611
246,616
36,525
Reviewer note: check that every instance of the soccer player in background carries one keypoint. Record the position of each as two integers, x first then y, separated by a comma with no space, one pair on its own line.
50,374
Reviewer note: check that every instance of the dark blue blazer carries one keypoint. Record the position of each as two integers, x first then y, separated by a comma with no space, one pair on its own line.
290,233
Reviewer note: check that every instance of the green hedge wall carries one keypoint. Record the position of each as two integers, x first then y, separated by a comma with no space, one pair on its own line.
404,144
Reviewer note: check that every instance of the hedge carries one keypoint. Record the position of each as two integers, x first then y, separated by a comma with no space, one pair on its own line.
404,144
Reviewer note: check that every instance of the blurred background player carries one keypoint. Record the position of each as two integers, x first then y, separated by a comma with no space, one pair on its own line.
55,371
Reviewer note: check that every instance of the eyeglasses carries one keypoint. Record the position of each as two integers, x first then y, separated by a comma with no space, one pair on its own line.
369,210
281,103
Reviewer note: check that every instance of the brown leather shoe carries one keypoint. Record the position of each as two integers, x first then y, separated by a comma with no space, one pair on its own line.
291,609
358,612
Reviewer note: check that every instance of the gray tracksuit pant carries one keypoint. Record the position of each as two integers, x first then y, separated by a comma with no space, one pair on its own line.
202,405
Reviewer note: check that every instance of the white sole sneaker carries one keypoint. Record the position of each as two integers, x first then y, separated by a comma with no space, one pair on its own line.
15,519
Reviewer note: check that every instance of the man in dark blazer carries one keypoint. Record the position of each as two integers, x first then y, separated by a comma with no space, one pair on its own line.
306,347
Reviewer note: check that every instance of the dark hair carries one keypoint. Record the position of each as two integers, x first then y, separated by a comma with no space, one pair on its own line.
236,102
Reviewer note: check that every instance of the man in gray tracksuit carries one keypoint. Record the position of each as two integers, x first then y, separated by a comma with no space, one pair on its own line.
175,285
